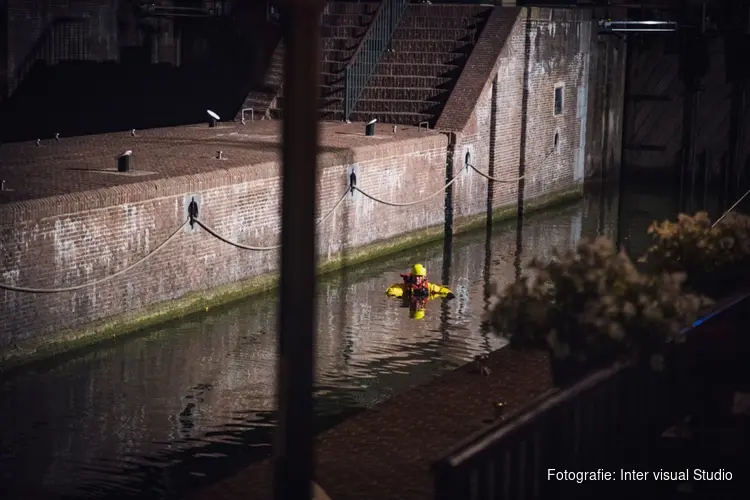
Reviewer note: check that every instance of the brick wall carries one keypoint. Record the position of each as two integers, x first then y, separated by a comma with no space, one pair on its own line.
560,49
66,249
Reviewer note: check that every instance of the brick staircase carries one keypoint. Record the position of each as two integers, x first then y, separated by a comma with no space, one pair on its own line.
413,81
343,25
262,100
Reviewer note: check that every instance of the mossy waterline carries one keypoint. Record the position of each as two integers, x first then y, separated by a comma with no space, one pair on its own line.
114,328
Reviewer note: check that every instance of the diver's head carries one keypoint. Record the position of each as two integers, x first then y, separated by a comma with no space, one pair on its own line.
418,274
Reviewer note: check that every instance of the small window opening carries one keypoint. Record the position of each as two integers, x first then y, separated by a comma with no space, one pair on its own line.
557,140
558,100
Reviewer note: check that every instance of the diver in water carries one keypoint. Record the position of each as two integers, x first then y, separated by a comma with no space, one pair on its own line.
415,285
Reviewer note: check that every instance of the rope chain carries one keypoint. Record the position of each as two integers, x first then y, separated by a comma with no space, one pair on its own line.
412,203
235,244
510,181
143,259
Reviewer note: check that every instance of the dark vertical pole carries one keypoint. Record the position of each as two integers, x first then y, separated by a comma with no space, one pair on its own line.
446,279
628,116
5,77
450,159
493,141
485,326
606,106
726,198
523,140
708,160
688,139
693,65
737,116
294,448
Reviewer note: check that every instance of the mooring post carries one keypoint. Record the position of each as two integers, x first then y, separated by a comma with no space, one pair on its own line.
293,464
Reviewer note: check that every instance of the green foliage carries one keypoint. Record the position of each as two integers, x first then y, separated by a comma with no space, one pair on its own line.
592,304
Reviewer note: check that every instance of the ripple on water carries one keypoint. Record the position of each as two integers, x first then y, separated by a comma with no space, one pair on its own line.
156,414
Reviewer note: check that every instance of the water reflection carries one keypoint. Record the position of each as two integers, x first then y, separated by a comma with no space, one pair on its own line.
188,403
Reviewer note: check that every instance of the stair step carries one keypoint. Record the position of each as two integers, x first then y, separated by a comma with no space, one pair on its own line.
394,81
324,114
452,22
441,70
432,34
329,115
351,32
347,19
423,58
337,55
393,118
434,95
331,78
332,91
323,102
430,46
332,67
259,98
338,43
422,10
393,106
352,7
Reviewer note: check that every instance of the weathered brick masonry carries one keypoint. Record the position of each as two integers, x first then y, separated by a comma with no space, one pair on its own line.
62,241
557,47
65,236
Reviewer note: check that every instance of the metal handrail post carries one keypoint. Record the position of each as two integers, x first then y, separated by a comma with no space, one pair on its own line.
374,42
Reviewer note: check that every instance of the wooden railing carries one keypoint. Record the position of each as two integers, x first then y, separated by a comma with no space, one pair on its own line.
369,50
593,424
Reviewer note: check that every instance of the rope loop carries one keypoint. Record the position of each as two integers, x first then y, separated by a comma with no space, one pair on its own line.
193,219
143,259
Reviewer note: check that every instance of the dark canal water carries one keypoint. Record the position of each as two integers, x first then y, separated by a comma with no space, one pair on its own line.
177,407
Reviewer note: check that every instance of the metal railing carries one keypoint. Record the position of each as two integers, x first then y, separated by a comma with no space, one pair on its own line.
594,424
62,39
371,47
577,429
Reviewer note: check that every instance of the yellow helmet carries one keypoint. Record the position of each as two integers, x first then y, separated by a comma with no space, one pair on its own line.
416,313
418,270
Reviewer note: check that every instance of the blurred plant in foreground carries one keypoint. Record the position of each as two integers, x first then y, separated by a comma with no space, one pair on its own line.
716,259
591,306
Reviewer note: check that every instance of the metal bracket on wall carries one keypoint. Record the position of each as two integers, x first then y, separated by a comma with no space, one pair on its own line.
192,206
352,178
469,157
